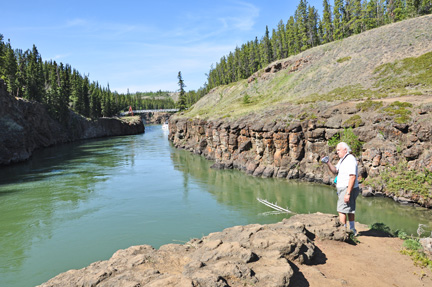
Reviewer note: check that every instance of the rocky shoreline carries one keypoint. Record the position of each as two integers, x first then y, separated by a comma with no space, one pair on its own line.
288,142
258,255
26,126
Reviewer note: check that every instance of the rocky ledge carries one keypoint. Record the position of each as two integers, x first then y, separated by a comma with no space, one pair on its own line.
26,126
252,255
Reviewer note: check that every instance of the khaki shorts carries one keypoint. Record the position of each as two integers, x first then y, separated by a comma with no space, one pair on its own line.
349,207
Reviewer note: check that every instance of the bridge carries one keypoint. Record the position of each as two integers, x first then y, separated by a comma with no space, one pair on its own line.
133,112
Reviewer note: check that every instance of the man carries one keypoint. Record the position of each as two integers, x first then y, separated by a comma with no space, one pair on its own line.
347,184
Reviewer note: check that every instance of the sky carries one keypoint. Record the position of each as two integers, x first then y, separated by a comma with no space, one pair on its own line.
140,45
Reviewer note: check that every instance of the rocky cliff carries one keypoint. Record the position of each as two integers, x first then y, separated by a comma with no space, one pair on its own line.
288,142
26,126
252,255
156,117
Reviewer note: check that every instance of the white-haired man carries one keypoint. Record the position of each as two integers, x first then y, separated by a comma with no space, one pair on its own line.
347,184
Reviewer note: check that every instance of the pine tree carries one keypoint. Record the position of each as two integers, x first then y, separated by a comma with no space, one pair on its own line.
371,15
312,27
291,37
253,57
106,103
10,70
266,55
85,89
412,7
347,18
281,32
2,55
230,72
76,93
327,25
64,91
356,21
34,80
21,73
238,64
276,49
301,17
52,90
396,11
337,20
425,7
381,12
181,103
95,101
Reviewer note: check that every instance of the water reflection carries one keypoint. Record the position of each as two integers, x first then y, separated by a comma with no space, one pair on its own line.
234,188
54,179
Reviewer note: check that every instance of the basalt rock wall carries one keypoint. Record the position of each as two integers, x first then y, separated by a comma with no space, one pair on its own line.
26,126
267,147
156,117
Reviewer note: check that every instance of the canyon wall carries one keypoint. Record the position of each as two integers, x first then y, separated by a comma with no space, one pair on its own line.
290,147
26,126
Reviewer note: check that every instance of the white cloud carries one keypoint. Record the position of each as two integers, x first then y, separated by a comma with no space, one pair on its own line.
76,22
60,56
244,19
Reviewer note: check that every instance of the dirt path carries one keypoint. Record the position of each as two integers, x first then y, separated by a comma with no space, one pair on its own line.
375,261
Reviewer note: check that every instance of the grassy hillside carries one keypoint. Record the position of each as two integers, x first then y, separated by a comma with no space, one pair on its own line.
390,61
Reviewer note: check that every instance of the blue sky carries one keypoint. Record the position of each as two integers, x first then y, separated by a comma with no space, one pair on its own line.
140,45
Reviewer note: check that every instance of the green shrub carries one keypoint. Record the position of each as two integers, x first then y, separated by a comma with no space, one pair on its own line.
346,93
354,121
369,105
406,76
399,111
348,137
382,227
344,59
412,244
398,179
246,99
413,248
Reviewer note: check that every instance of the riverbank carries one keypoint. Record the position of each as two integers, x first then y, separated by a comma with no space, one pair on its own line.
26,126
304,250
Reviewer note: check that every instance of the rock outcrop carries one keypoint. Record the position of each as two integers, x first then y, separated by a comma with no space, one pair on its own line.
289,142
156,117
273,68
252,255
26,126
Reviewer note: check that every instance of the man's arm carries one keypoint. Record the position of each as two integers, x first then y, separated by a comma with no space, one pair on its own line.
332,168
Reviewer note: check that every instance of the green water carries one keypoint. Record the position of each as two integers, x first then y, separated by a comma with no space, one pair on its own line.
78,203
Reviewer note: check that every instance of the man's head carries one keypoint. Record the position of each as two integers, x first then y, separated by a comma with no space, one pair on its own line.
342,149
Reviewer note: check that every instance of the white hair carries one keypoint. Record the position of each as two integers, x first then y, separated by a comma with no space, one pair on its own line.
345,146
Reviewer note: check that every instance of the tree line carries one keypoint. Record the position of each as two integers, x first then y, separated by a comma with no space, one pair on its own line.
61,87
306,29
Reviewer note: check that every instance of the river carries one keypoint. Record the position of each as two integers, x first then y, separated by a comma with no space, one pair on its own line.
74,204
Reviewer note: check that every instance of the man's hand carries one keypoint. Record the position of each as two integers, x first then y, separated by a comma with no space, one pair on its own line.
347,197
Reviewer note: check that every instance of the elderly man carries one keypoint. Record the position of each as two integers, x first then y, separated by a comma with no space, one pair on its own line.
347,184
